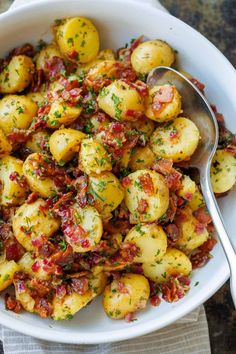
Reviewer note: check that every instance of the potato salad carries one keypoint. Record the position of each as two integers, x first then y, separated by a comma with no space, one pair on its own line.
96,197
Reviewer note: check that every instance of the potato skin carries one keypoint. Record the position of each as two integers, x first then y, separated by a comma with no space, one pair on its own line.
30,222
37,141
106,191
190,238
142,158
118,98
151,241
45,186
172,263
17,75
93,157
179,146
62,114
12,192
168,111
151,54
78,39
26,263
16,112
5,146
197,200
7,270
64,143
157,203
47,54
223,171
134,297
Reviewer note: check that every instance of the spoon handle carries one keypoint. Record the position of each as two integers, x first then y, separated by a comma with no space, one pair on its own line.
221,229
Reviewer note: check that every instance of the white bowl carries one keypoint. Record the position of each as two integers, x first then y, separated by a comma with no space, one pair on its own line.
118,21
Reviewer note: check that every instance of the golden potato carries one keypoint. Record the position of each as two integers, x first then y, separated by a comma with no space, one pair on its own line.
176,140
86,231
78,39
197,200
37,97
12,192
193,234
120,101
7,270
37,141
144,126
46,54
105,69
64,143
27,263
93,157
16,112
151,241
151,54
223,171
172,263
187,189
133,297
31,221
62,114
5,146
146,196
25,298
17,75
106,191
44,186
142,158
105,54
157,109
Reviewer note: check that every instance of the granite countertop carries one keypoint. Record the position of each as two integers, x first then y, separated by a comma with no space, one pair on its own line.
216,19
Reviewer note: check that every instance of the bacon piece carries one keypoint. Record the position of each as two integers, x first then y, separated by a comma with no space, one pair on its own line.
141,87
19,136
173,234
142,206
202,256
126,182
26,49
174,289
129,317
43,307
231,149
199,228
132,114
202,216
62,201
61,291
81,186
80,285
155,300
208,245
121,288
32,198
163,166
173,180
114,226
164,95
63,257
12,304
38,79
54,67
14,250
124,54
146,184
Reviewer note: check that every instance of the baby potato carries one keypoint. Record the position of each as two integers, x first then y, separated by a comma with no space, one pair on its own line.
223,171
144,126
44,186
37,97
133,297
93,157
193,234
12,193
16,112
146,196
168,102
46,54
25,298
151,241
7,270
197,200
64,143
78,39
17,75
31,221
105,54
5,146
37,141
187,189
151,54
172,263
106,191
142,158
62,114
105,69
27,263
177,140
120,101
86,231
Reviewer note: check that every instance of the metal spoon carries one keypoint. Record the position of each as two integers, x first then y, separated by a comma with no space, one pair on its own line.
196,107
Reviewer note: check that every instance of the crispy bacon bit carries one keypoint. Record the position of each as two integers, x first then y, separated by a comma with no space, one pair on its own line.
43,307
14,250
19,136
126,182
54,67
170,214
20,286
141,87
128,251
80,285
163,166
81,186
173,234
199,228
26,49
197,83
38,79
121,288
174,289
73,54
62,201
173,180
63,257
35,266
32,198
142,206
124,54
61,291
202,215
132,114
21,180
129,317
12,304
164,95
146,184
201,257
188,196
231,149
155,300
208,245
114,226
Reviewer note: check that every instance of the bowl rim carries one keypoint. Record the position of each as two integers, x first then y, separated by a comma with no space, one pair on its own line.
177,312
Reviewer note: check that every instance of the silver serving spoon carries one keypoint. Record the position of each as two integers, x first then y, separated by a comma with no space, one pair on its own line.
196,107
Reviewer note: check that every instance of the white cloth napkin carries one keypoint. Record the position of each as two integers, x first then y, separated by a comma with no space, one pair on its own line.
189,335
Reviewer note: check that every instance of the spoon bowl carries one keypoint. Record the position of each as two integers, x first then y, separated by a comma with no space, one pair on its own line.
197,108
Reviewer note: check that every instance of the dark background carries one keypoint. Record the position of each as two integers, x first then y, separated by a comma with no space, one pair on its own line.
216,19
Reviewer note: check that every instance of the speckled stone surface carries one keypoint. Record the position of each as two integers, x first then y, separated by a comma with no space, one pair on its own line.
215,19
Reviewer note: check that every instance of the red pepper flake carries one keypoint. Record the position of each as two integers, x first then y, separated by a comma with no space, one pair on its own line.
147,184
